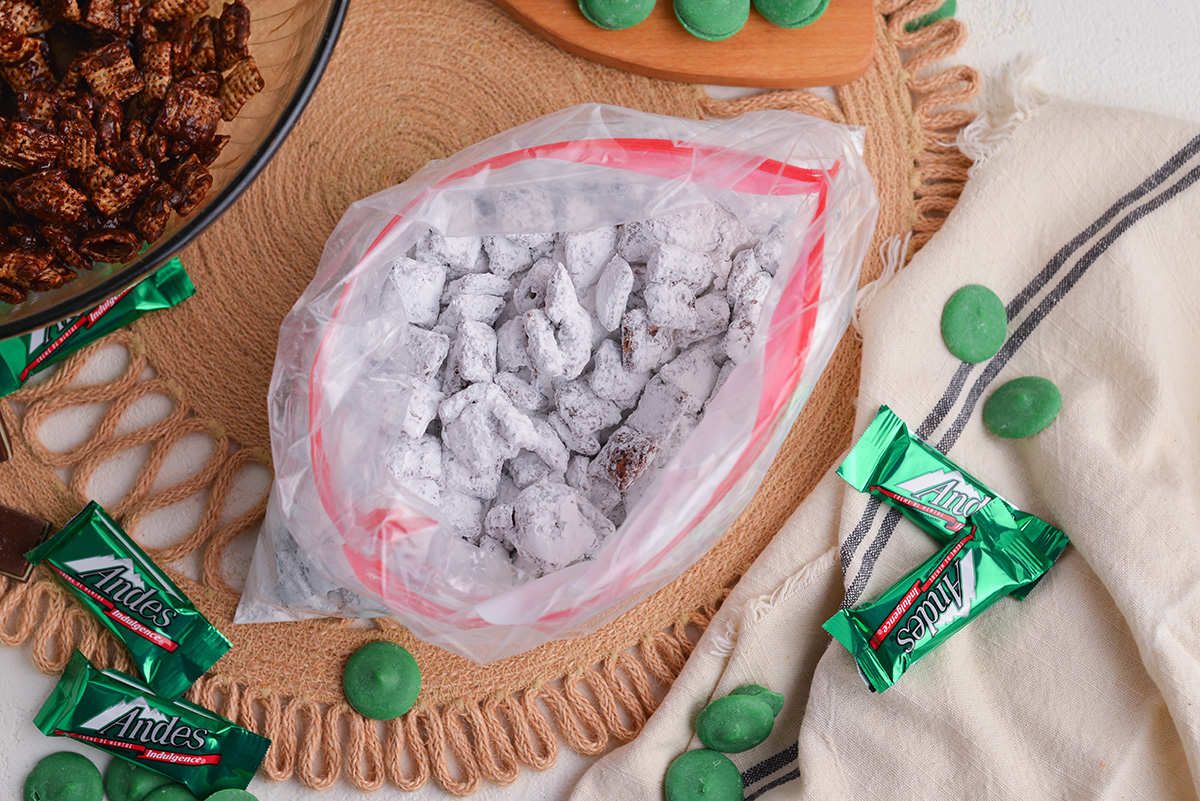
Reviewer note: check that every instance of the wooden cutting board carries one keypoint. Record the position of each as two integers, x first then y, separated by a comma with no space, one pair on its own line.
835,49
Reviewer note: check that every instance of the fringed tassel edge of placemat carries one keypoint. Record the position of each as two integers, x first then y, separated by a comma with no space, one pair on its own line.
938,100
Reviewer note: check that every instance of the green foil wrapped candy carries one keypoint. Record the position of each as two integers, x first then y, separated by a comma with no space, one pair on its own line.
123,717
922,610
172,643
928,488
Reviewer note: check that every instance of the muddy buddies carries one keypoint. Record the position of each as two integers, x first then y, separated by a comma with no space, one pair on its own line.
556,373
534,383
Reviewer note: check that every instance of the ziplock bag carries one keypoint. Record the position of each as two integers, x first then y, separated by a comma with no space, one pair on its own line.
343,537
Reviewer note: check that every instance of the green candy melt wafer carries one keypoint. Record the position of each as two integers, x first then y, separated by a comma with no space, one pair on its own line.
1022,407
381,680
171,642
616,15
25,356
712,20
65,776
735,723
171,792
990,559
791,13
125,781
974,324
928,488
122,716
703,775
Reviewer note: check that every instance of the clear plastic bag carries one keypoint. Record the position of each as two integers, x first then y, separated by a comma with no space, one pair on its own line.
342,537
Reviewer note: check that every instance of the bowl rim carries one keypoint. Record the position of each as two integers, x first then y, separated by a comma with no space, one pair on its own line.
195,225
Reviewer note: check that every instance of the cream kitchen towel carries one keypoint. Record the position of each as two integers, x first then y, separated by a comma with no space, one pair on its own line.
1087,224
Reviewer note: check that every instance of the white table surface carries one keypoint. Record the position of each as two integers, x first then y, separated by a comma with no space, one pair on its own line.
1137,55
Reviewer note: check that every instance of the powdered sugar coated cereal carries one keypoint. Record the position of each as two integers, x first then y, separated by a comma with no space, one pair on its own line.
557,374
420,286
612,293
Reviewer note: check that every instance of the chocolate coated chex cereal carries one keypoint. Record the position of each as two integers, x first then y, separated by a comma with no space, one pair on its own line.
65,245
624,457
151,217
47,196
208,152
181,38
20,17
204,45
233,39
188,114
155,63
21,266
32,73
61,10
206,83
174,10
192,180
52,277
15,48
12,293
109,118
79,144
110,15
110,191
109,246
36,104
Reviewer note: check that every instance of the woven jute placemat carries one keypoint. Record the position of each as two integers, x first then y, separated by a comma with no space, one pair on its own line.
414,80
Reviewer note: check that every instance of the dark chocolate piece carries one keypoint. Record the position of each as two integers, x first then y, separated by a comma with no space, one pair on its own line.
6,450
19,533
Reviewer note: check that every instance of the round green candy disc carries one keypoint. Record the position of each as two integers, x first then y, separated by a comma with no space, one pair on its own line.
125,781
712,20
945,12
231,795
381,680
1022,407
65,776
774,700
616,15
791,13
171,792
703,775
735,723
974,323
